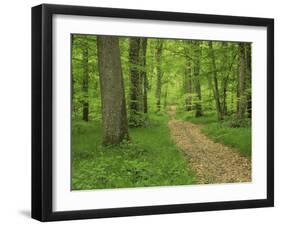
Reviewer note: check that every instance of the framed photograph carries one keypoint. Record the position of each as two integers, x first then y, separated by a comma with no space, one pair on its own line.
145,112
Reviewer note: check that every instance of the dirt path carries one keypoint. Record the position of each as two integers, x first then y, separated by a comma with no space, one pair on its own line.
212,162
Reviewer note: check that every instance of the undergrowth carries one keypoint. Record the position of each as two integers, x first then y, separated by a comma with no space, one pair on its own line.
150,158
231,131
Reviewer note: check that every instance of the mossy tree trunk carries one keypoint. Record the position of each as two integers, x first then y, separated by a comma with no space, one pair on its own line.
114,115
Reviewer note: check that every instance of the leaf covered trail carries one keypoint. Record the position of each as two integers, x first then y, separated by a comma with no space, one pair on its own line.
212,162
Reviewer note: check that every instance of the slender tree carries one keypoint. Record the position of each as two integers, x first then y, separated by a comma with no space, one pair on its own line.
151,66
143,73
166,95
249,79
85,81
188,77
114,115
228,59
159,49
196,72
215,82
72,74
242,82
225,78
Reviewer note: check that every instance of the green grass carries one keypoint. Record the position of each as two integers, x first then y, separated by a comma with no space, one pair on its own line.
222,132
209,117
149,159
239,138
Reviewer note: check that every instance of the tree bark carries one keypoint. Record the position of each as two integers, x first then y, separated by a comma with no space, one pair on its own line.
85,80
136,83
151,67
249,78
215,81
143,73
228,60
72,76
197,85
242,82
225,78
188,79
114,115
237,85
159,74
165,96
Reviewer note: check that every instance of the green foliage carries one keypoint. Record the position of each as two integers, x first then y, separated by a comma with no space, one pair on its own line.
149,159
235,122
209,117
239,138
232,131
137,119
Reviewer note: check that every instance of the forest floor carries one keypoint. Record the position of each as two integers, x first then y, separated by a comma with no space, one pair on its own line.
150,158
212,162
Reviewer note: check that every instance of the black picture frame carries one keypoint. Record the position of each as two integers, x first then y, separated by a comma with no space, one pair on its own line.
42,111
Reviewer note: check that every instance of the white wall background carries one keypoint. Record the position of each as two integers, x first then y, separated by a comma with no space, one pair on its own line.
15,105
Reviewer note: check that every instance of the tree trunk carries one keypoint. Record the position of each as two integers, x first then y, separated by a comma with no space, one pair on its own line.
237,86
114,115
227,60
85,80
215,80
165,96
249,79
72,76
225,79
136,85
143,73
159,74
151,67
188,79
242,82
197,86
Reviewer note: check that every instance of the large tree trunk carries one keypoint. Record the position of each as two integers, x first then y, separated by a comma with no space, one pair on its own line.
85,80
114,115
215,81
143,73
159,49
197,85
242,82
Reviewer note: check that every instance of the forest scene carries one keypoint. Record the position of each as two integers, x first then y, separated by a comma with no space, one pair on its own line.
159,112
